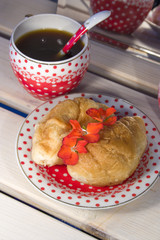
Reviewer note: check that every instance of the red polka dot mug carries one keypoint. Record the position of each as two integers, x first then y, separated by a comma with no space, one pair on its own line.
48,79
126,15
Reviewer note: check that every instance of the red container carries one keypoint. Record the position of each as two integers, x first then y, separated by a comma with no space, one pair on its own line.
126,15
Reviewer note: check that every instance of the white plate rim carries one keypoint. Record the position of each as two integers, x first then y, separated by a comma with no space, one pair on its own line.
87,95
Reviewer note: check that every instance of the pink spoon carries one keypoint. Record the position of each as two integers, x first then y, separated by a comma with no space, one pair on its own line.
88,24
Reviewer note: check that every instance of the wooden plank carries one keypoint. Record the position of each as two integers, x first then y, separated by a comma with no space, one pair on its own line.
125,68
78,10
137,220
12,93
10,16
19,221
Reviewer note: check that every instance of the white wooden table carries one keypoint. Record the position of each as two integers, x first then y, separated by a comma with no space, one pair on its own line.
27,213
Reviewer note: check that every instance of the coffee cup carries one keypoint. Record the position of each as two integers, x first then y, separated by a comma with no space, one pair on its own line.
46,79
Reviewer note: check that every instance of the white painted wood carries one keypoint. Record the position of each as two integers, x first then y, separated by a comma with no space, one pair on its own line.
125,68
12,12
19,221
79,5
136,220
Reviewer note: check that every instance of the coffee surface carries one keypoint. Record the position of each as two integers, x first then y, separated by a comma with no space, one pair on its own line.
44,44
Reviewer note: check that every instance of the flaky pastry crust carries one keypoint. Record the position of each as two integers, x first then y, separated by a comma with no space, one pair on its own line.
108,162
54,126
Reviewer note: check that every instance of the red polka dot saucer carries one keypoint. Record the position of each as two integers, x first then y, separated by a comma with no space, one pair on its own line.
56,183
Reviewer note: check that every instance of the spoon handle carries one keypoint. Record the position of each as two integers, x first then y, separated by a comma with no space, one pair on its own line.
96,18
88,24
74,39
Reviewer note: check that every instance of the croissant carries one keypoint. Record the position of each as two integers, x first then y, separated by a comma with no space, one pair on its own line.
54,126
107,162
115,157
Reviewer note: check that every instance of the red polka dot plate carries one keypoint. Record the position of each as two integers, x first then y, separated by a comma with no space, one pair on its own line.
56,183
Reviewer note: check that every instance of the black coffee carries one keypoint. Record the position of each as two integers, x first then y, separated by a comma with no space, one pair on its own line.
44,44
